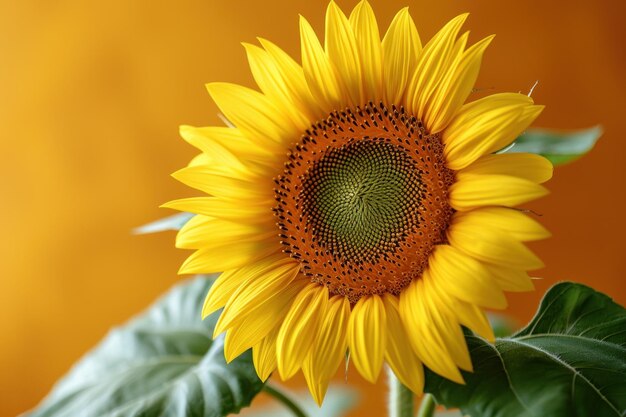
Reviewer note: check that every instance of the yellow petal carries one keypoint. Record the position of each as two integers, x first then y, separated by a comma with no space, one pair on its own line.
271,83
465,277
531,167
455,87
204,138
440,80
264,355
365,29
474,191
401,358
487,125
261,294
401,47
249,213
330,348
230,281
511,279
247,334
514,222
254,327
491,244
293,76
300,328
252,112
432,64
468,314
217,153
342,50
202,159
366,336
318,70
446,325
317,387
221,290
232,184
222,257
425,340
202,231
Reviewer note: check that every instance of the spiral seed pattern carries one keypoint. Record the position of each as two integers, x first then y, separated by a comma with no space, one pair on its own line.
363,200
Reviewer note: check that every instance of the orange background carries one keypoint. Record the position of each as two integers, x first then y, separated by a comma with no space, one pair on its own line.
92,96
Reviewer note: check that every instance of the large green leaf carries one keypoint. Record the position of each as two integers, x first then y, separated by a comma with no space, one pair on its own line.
570,360
163,363
558,147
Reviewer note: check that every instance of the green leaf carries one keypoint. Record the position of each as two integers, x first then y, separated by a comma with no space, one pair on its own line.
174,222
162,363
558,147
570,360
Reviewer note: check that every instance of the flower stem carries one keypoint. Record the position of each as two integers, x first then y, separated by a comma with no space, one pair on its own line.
400,401
427,406
283,398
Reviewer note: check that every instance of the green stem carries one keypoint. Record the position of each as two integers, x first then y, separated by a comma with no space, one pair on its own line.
427,406
283,398
400,401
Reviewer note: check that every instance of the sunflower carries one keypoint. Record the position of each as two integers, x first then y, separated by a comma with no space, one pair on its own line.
356,203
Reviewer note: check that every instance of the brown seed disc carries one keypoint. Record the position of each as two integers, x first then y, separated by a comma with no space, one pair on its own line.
363,200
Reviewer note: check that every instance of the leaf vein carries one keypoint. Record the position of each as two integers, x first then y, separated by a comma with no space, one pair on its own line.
571,368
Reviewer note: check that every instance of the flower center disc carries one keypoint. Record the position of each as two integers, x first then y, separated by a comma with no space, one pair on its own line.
361,198
363,201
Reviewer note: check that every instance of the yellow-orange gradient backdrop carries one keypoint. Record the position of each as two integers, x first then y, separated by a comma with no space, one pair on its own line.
92,94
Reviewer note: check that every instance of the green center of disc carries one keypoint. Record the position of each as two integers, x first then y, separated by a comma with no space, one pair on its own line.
362,199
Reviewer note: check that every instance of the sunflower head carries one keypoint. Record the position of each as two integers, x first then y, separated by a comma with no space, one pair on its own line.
356,202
